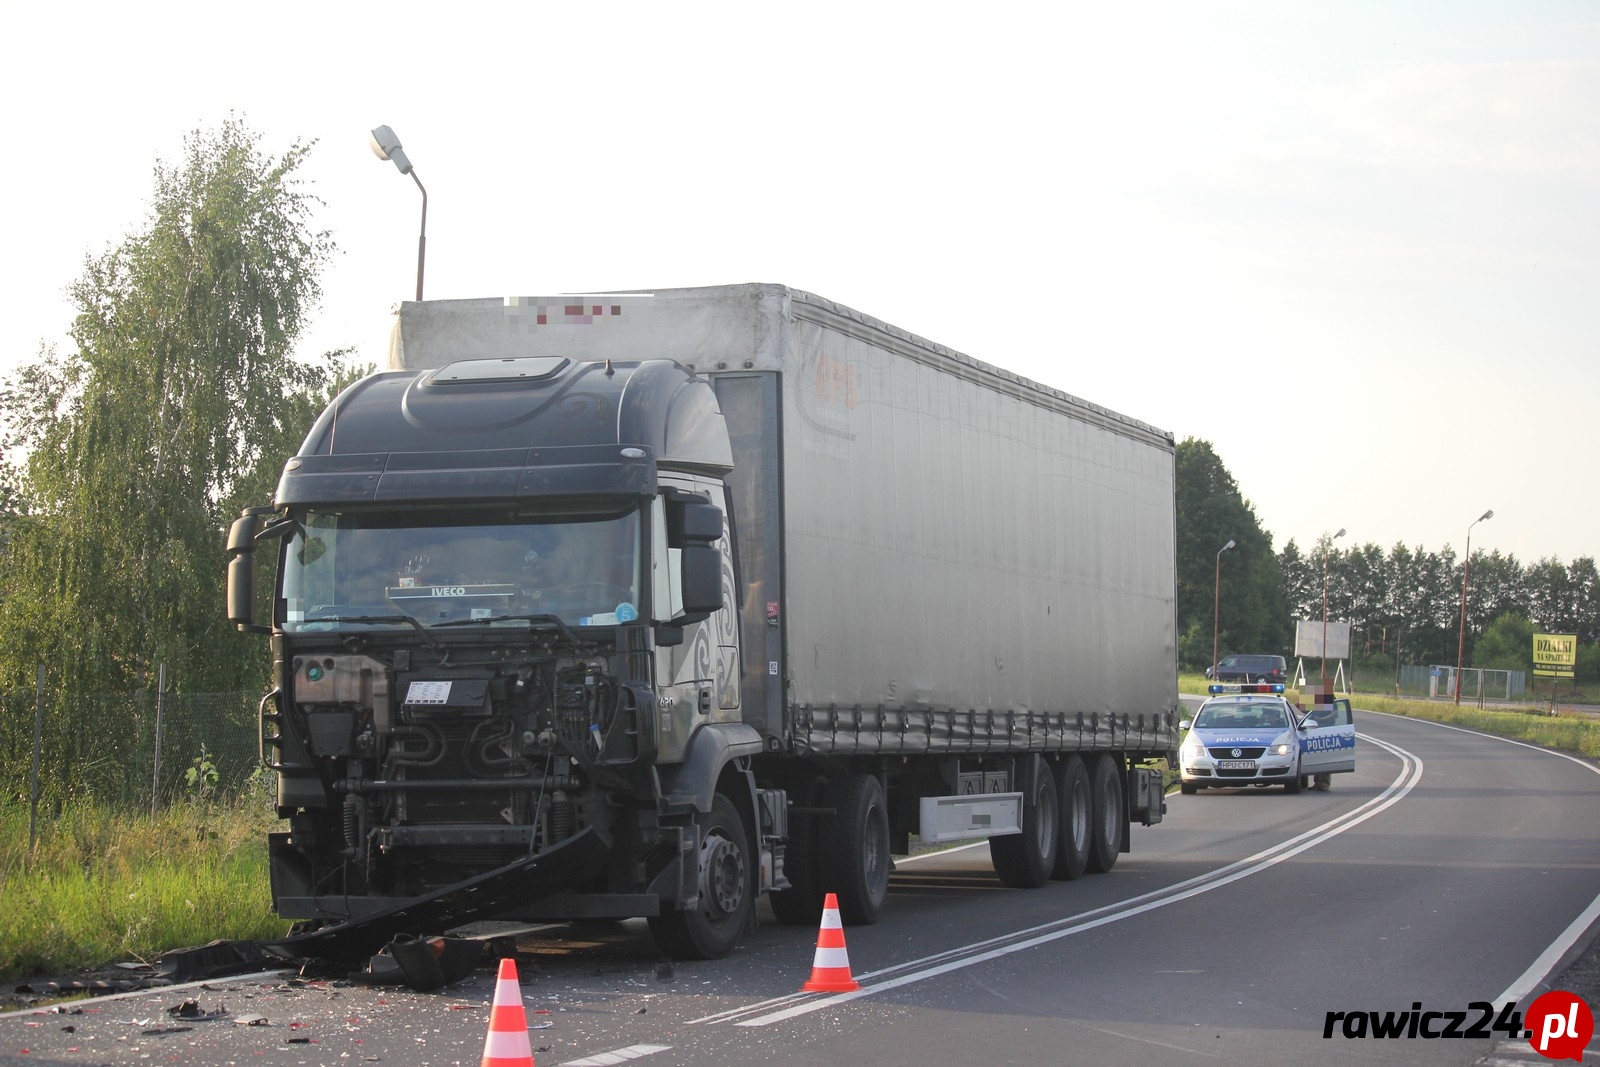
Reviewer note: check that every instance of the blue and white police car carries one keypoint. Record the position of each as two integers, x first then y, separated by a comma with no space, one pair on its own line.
1251,735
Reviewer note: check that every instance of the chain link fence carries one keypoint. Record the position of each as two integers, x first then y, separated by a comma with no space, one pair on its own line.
133,750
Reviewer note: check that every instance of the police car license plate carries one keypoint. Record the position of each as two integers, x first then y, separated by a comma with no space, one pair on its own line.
1236,765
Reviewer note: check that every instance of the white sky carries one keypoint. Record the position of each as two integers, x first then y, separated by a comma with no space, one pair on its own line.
1355,246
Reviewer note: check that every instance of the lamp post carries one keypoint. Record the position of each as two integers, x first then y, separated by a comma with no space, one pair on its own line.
1466,566
1324,648
1216,608
385,145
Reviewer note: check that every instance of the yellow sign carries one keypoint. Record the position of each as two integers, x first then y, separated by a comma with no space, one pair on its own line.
1555,655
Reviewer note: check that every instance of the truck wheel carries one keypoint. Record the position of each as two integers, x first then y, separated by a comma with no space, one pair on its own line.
854,843
1025,860
1075,807
801,903
1109,814
711,929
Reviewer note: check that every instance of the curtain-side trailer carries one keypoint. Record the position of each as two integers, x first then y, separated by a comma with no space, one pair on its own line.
644,604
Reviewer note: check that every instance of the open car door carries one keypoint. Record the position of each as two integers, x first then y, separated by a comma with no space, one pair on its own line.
1328,739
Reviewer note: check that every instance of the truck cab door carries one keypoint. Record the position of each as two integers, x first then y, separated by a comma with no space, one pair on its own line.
1328,739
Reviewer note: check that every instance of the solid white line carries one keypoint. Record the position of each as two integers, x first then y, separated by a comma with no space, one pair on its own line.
1540,969
1585,764
1200,879
1410,775
615,1056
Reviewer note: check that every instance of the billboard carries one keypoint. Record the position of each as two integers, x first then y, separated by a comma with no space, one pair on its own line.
1308,639
1555,655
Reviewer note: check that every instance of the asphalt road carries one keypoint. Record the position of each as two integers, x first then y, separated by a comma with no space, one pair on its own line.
1448,871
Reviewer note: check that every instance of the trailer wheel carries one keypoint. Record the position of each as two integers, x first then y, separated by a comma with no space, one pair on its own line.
711,929
854,842
1109,814
1025,860
801,903
1076,810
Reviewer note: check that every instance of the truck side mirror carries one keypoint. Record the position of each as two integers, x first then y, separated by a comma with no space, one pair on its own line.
241,570
246,530
701,560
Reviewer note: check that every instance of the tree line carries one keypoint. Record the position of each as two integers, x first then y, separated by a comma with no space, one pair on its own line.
177,403
1403,604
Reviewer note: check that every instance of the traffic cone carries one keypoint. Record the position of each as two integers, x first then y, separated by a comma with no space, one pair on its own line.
830,970
507,1043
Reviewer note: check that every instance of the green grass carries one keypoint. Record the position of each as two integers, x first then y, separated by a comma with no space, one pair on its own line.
103,886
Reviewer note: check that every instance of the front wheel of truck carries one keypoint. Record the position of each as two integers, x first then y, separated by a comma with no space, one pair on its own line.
854,845
712,928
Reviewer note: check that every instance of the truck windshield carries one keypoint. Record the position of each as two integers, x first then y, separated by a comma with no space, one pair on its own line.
369,569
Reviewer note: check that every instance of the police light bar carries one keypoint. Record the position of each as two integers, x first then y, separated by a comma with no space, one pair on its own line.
1260,687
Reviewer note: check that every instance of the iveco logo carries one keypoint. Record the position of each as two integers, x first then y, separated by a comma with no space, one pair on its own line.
1238,752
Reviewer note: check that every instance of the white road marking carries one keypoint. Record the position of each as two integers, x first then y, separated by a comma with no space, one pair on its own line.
1540,969
874,982
615,1056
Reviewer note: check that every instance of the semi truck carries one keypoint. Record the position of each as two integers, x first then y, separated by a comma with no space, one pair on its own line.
647,604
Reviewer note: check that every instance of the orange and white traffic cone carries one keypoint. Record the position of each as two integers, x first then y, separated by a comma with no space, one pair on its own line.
830,970
507,1044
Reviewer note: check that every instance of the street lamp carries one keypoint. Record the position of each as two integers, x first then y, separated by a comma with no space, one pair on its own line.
1326,549
385,145
1466,566
1216,608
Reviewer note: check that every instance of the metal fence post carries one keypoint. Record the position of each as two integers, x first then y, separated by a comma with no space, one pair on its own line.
38,741
155,776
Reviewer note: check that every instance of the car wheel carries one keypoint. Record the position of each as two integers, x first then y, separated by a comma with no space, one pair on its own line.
1188,789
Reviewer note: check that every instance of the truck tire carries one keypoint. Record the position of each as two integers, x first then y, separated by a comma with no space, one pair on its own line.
1025,860
1076,810
1109,813
712,928
801,903
854,844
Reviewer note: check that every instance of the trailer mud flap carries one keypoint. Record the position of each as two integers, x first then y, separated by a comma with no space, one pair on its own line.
531,878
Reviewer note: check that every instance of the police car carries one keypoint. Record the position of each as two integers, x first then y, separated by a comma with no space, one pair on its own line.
1251,735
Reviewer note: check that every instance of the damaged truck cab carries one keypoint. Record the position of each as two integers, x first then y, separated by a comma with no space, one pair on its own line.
510,632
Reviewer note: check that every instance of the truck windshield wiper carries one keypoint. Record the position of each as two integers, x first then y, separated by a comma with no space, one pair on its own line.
396,617
553,621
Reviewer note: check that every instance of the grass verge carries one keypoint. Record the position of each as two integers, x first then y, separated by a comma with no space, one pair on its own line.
103,885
